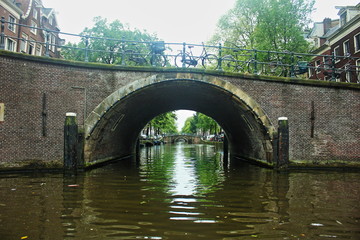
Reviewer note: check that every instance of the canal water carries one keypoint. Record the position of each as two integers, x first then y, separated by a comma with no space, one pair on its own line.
180,192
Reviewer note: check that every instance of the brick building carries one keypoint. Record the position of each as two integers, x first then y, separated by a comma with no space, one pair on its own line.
341,39
31,40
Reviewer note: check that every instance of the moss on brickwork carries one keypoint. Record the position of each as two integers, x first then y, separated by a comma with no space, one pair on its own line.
31,164
324,164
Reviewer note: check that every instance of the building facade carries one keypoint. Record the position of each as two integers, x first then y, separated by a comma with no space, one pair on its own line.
339,43
30,35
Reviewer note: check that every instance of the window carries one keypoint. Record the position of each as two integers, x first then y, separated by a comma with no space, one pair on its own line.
51,20
23,43
343,18
52,42
35,13
336,53
357,42
348,73
346,45
318,66
10,45
34,27
38,50
11,24
31,47
358,71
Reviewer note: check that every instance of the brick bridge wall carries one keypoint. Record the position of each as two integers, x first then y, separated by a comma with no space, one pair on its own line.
38,91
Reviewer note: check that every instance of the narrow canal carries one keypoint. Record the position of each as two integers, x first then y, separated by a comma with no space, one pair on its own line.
180,192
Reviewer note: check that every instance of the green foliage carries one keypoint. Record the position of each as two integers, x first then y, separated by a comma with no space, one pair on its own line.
107,50
275,25
200,124
189,126
164,123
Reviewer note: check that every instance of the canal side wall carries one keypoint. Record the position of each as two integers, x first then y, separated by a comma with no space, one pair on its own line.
37,92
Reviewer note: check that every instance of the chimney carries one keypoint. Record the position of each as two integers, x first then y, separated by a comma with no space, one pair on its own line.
327,24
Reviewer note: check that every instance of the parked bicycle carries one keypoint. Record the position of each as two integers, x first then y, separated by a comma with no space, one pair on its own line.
187,58
155,57
280,66
241,61
326,70
235,62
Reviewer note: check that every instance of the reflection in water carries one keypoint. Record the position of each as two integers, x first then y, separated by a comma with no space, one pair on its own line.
180,192
183,174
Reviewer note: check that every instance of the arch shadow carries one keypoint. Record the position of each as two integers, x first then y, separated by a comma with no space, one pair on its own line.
112,128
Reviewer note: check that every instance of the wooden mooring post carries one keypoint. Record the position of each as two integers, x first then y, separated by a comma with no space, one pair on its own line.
283,143
70,142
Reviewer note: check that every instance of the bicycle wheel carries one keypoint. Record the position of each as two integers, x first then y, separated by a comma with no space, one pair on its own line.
228,63
255,67
210,61
158,60
180,62
274,68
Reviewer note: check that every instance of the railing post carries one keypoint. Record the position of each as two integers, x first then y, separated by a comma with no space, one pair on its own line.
183,55
47,35
152,59
86,49
2,34
333,67
255,62
122,51
292,67
220,58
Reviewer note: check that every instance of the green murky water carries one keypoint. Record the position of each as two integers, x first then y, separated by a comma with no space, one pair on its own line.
180,192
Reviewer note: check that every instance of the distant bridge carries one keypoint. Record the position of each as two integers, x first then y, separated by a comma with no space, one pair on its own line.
114,103
182,137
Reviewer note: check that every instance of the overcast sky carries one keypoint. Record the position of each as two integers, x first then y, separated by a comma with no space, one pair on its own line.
173,20
191,21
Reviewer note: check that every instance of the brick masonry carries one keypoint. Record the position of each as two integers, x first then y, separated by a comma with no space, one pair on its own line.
37,89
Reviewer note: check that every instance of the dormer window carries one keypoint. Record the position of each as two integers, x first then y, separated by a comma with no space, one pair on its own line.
343,19
51,20
35,13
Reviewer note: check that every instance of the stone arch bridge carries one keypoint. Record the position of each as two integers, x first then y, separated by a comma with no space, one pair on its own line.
192,139
114,103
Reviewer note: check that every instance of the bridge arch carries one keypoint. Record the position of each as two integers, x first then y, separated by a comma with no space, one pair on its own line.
112,128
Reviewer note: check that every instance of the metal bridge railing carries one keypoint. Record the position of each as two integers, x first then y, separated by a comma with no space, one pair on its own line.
222,57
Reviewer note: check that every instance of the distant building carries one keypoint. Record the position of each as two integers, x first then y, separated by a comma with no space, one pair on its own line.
340,38
26,39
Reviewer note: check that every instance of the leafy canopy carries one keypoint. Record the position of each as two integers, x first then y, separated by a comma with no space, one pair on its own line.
276,25
200,124
162,124
107,50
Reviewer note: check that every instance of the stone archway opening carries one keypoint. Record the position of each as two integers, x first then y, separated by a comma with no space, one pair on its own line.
113,127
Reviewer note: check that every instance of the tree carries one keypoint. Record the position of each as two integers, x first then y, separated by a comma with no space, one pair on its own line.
189,125
276,25
163,123
237,26
105,40
200,124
